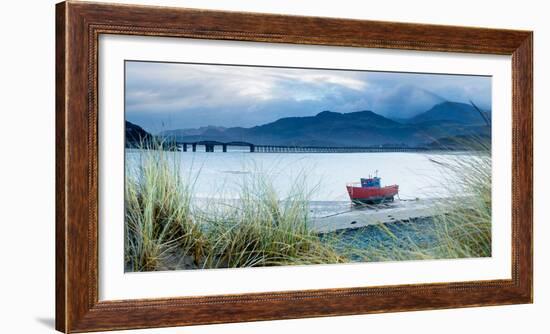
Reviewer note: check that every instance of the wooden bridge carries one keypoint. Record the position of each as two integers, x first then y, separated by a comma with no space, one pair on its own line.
209,146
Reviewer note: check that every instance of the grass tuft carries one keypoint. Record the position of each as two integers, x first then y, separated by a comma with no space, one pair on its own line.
461,227
165,229
158,210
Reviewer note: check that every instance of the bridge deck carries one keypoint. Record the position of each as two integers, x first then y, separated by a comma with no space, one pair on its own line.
209,146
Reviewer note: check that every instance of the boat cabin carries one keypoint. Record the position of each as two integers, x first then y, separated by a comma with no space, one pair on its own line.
371,182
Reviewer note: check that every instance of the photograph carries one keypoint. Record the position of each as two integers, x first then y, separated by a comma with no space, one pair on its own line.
236,166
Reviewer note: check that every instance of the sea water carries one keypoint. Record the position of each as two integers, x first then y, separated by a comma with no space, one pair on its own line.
323,176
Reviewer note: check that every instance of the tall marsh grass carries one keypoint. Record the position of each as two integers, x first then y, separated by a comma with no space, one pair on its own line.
461,226
263,230
464,222
158,213
165,229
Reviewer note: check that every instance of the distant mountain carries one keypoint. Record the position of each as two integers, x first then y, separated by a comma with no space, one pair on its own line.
361,128
406,101
330,129
135,135
451,112
193,132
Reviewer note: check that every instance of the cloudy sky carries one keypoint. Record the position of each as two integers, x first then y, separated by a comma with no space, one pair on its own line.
164,96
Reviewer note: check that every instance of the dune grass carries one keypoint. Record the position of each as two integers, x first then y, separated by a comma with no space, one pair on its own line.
465,222
262,230
461,227
165,230
158,213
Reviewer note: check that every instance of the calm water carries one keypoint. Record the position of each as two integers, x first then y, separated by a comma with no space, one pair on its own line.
219,174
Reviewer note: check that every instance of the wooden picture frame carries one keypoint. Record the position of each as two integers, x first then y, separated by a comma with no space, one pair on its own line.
78,27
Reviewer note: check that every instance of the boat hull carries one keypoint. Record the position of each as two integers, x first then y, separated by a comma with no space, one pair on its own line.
372,195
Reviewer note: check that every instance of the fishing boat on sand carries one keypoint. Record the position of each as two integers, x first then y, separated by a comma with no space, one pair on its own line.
370,191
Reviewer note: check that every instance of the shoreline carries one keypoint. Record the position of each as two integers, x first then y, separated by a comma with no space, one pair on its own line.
398,211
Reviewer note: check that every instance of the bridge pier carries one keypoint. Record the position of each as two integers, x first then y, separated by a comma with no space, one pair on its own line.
211,145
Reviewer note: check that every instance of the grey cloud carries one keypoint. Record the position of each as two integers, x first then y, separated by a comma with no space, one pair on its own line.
161,96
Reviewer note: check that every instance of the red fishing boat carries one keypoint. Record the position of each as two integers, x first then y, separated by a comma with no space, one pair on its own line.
370,191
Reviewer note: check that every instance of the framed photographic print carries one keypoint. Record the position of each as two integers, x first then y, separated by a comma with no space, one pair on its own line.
222,166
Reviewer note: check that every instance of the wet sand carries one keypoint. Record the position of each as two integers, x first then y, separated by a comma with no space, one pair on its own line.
351,217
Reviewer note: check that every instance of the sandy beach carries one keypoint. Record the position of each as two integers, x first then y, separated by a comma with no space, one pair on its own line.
351,217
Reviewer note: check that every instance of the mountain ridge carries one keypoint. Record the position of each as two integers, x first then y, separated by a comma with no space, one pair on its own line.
451,111
358,128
